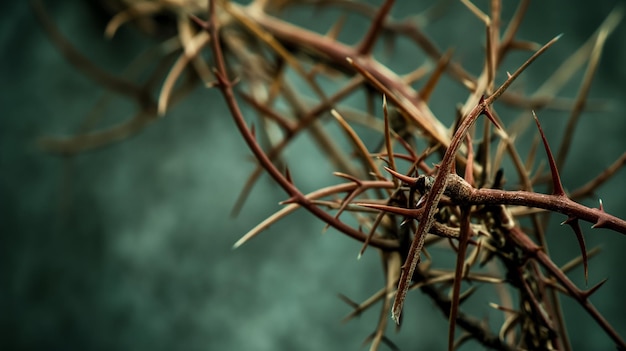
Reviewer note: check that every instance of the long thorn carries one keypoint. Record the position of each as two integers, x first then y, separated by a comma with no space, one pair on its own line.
557,187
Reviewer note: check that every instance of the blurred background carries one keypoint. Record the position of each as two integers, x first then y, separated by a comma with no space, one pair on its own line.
128,247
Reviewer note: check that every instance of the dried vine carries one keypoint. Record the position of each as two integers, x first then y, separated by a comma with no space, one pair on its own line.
462,199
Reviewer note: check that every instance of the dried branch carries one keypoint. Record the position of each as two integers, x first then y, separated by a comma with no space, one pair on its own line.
412,207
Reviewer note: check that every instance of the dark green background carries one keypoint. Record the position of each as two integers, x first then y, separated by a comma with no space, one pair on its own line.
128,247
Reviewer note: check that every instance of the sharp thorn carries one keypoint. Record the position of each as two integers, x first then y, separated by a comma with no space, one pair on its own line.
557,187
410,213
569,220
406,179
420,201
601,208
573,222
491,117
347,300
291,200
593,289
348,177
600,223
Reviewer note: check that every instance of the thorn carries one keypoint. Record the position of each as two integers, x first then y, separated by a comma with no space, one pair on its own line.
335,29
469,167
390,344
347,300
325,229
593,289
569,220
466,294
601,208
491,117
291,200
379,177
573,223
502,308
411,213
388,145
348,177
221,78
426,91
557,187
410,181
344,204
373,32
420,201
600,223
364,247
381,157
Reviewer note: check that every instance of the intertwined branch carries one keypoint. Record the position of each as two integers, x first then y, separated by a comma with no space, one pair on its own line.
402,205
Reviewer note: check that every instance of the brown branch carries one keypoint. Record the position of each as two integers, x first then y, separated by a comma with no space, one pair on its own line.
580,296
465,234
337,52
554,203
374,31
226,87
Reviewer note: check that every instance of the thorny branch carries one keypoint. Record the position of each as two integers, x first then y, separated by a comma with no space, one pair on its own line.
253,55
